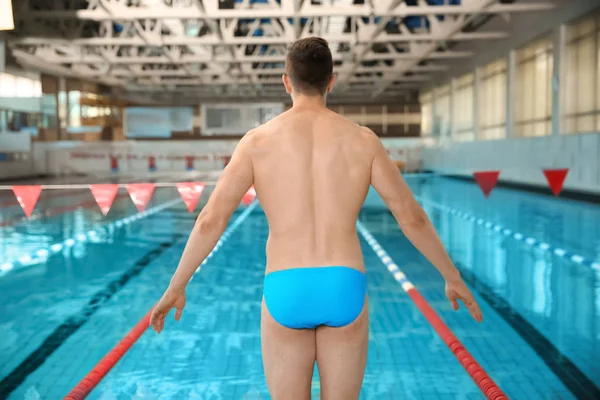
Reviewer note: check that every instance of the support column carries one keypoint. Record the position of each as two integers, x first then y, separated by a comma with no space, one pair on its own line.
476,88
49,108
558,74
433,111
510,93
62,109
452,130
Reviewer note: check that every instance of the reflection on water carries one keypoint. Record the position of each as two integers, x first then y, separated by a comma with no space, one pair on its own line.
557,296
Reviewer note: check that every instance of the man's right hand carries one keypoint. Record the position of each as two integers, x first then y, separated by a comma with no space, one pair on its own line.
458,290
168,301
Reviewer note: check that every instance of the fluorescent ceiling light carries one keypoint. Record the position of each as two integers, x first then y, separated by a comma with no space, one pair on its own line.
6,16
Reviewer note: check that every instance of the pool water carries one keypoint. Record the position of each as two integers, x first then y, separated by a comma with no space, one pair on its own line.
63,312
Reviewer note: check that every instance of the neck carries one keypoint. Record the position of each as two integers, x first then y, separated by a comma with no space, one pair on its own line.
310,102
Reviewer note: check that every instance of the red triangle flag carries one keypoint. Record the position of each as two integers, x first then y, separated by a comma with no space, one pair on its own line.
104,194
140,193
190,193
249,196
27,196
486,180
556,178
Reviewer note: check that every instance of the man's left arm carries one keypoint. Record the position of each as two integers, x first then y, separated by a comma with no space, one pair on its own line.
234,182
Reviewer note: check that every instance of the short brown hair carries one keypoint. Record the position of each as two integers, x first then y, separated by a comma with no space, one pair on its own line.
309,65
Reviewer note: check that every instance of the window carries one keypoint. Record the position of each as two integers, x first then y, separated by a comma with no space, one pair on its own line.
426,101
491,103
8,85
582,89
19,86
441,118
236,119
463,108
74,109
37,89
24,87
222,117
533,89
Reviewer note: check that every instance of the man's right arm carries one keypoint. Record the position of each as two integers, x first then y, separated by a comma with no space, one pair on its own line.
414,222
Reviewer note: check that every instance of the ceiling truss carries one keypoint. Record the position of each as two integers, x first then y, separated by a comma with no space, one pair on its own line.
199,50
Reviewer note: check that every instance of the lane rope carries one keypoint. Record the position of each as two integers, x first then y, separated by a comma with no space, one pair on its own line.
501,230
42,254
487,386
99,371
91,380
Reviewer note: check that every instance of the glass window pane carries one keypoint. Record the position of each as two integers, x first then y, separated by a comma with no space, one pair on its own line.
492,100
533,89
24,87
37,89
586,123
597,89
586,71
8,85
582,87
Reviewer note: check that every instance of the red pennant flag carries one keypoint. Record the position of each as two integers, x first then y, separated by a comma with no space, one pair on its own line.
27,196
556,178
249,196
104,194
486,180
140,193
190,193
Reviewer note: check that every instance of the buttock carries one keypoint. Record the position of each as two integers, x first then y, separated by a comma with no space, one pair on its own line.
304,298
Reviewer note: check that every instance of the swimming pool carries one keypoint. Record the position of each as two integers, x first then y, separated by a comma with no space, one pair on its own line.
539,338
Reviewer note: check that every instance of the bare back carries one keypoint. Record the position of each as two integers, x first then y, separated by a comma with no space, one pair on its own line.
312,171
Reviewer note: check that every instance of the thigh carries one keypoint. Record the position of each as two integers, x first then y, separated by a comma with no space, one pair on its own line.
342,357
288,358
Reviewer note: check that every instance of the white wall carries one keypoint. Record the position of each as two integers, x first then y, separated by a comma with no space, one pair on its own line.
407,150
23,104
522,160
17,146
65,158
69,158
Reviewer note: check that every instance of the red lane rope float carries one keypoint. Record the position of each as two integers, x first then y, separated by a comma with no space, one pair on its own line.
91,380
487,386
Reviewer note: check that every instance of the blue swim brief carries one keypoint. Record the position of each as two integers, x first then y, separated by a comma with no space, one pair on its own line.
301,298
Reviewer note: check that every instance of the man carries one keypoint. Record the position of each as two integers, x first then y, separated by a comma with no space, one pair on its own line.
311,169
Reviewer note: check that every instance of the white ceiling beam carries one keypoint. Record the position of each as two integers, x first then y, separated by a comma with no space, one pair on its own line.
40,64
306,11
194,59
277,72
377,79
449,29
226,80
218,63
209,91
214,39
373,32
293,7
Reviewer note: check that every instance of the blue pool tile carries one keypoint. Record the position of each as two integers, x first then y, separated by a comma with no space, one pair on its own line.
214,352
